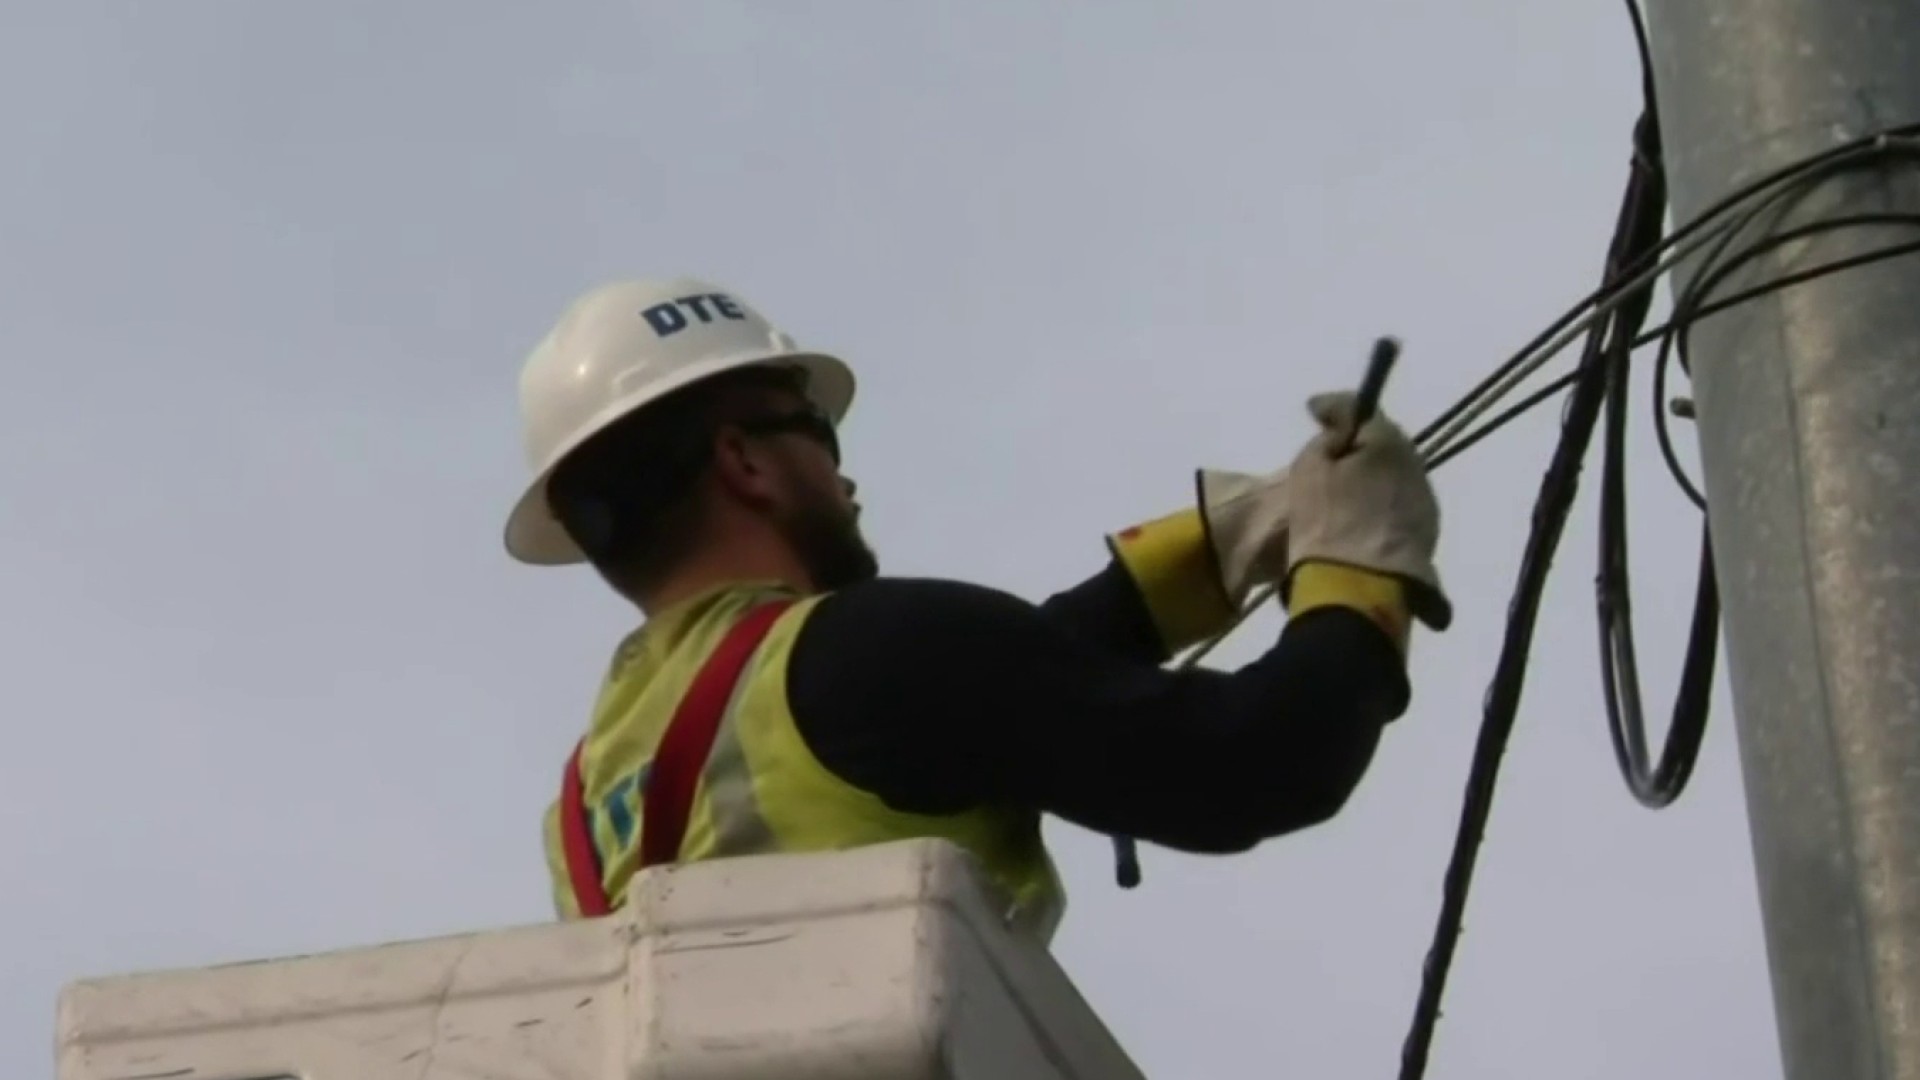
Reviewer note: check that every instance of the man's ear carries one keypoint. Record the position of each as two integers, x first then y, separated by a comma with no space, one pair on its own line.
742,467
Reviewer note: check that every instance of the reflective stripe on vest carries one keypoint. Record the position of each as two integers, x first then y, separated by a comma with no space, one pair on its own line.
674,775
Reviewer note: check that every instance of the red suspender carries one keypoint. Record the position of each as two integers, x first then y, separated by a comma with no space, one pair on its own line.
675,772
683,750
576,843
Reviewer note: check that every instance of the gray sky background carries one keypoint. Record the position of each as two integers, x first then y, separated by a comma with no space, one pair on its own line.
267,275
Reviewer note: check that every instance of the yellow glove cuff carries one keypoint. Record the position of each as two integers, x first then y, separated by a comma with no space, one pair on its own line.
1377,596
1172,564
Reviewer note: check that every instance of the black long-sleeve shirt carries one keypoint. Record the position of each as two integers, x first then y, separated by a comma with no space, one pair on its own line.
938,696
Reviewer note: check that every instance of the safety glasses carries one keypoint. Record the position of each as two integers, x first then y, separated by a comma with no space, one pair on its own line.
811,423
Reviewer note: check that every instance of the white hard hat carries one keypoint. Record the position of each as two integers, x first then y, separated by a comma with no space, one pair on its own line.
626,344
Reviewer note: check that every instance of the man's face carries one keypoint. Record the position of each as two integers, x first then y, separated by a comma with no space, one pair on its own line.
812,504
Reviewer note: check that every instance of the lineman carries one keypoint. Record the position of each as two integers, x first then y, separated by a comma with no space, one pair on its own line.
781,695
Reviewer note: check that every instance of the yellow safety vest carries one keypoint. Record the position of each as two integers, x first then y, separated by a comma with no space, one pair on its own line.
762,789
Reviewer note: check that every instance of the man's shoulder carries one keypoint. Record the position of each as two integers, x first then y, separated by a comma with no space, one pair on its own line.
909,620
908,600
919,585
904,630
625,652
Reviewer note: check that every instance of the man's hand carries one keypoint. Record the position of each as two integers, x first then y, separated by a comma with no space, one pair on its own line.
1371,509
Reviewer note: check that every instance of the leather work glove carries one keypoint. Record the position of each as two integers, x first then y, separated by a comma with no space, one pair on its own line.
1195,567
1372,509
1246,519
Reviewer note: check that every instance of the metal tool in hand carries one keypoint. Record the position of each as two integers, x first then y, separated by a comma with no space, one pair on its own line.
1372,384
1126,854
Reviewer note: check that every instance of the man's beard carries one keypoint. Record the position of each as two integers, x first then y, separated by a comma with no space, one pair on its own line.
827,538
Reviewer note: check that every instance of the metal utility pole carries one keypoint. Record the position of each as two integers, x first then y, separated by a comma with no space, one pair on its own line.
1808,404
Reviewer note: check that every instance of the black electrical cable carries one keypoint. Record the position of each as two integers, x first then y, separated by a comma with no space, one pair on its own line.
1601,379
1460,445
1657,785
1502,419
1600,297
1661,425
1635,277
1708,218
1692,305
1637,256
1643,200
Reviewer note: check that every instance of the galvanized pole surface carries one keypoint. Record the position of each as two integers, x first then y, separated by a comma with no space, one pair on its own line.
1809,424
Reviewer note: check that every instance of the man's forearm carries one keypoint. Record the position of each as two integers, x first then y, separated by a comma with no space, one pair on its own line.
1108,612
940,696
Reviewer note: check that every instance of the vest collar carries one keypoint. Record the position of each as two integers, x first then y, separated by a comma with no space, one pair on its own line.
670,624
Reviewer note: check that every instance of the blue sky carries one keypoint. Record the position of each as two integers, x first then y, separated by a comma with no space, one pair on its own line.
267,275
